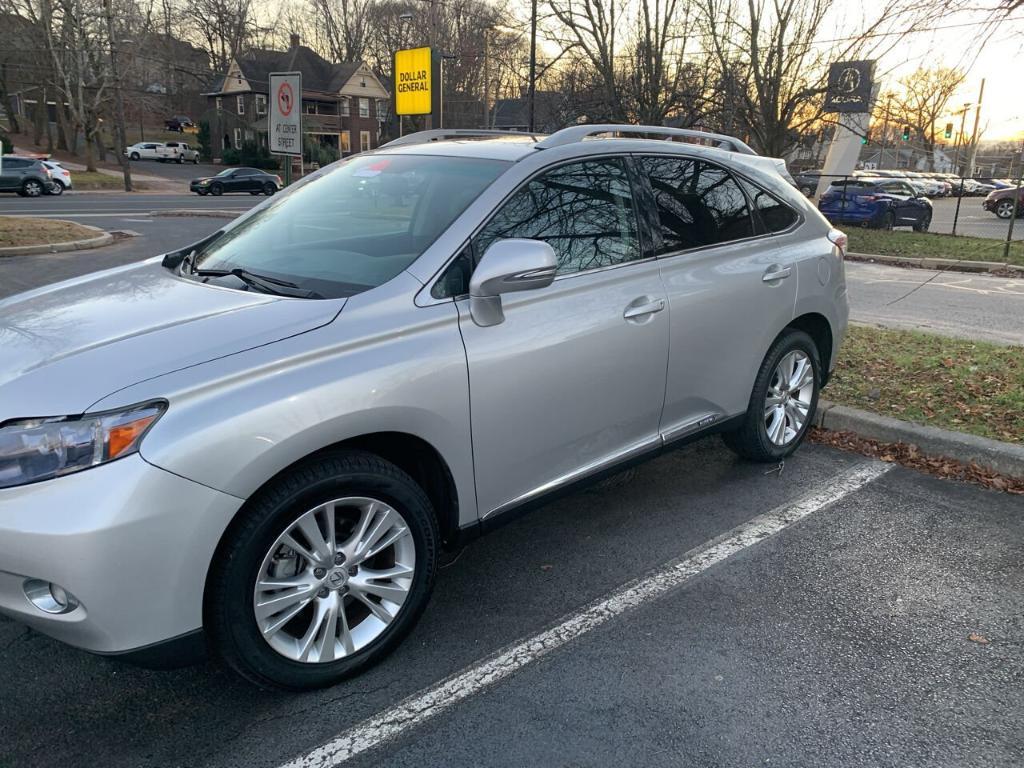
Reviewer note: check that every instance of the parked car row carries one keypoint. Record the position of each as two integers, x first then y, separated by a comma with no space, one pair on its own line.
33,176
928,184
164,152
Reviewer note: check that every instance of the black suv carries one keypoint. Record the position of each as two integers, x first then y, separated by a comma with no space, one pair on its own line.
25,175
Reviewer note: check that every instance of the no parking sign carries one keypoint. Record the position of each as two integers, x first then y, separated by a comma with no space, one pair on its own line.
285,120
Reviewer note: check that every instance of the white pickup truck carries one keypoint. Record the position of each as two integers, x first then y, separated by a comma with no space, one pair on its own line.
177,152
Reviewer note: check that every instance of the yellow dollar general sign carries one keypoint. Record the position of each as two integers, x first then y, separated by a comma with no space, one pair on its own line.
413,81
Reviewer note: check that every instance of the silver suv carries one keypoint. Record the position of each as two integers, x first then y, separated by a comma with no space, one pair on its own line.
263,442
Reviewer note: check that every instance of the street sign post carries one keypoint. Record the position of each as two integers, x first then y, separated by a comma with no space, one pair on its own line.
284,123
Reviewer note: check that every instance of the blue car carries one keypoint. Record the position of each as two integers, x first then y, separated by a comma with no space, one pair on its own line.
876,203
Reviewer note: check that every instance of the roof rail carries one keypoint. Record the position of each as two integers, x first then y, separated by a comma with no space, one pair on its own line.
579,132
442,134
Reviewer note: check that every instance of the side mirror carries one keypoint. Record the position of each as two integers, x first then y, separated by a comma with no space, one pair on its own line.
508,266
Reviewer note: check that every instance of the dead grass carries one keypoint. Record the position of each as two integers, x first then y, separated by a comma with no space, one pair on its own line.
17,231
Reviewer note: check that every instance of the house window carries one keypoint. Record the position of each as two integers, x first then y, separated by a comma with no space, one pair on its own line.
219,103
241,104
343,107
261,104
345,137
238,138
364,141
364,107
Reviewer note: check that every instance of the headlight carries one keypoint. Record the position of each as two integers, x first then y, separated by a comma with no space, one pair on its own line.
38,449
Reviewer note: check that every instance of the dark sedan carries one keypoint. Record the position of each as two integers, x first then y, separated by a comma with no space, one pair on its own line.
251,180
1000,202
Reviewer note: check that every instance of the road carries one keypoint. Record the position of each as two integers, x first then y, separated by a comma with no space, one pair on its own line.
974,220
841,640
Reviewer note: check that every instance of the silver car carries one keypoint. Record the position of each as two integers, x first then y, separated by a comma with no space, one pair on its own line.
262,443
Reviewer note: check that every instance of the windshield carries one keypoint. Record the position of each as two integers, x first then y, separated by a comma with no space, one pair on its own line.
357,226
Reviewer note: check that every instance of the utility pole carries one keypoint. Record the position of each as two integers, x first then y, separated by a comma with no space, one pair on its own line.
531,94
487,78
960,139
974,138
122,140
885,132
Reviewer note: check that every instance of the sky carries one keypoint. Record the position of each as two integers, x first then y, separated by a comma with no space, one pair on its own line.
999,59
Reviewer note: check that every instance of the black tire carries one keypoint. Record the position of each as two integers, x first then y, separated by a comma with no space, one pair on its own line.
229,619
923,223
269,189
751,440
217,189
1004,209
55,188
195,160
32,188
134,156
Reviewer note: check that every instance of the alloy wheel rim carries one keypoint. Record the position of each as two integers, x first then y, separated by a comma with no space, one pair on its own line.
334,580
1005,209
788,402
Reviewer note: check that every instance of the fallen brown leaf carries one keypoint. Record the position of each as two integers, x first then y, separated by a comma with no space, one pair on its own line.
975,637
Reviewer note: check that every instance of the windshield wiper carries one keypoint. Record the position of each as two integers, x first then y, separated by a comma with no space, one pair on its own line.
262,283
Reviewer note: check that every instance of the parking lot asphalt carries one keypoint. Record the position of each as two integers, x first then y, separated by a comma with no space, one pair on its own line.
973,220
843,639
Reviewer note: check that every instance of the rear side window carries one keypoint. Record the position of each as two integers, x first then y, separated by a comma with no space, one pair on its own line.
775,215
583,210
11,164
698,203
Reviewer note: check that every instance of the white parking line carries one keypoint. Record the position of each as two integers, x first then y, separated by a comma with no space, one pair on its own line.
432,701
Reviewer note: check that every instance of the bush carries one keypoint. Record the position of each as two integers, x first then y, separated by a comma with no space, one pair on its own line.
203,137
253,155
230,156
313,152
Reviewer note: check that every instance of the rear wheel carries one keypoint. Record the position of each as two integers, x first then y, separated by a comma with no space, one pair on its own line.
782,402
181,159
134,156
324,574
269,189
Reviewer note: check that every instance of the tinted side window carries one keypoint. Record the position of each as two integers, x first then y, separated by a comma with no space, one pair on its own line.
776,216
698,203
12,164
583,210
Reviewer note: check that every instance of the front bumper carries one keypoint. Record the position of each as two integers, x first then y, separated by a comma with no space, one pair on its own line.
130,541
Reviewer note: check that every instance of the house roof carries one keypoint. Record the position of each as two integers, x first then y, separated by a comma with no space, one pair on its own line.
318,74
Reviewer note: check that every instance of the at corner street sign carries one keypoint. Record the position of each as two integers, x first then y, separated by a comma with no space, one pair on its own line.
285,120
413,81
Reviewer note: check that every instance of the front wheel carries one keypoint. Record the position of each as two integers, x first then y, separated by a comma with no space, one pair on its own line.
134,156
216,190
325,573
782,402
55,188
888,220
923,223
1004,209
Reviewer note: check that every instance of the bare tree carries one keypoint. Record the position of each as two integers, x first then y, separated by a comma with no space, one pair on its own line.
225,28
923,100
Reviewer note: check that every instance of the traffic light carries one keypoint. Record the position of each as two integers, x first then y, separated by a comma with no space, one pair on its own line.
866,137
906,133
949,131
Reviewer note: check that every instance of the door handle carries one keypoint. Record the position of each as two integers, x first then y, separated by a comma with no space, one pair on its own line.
634,310
775,272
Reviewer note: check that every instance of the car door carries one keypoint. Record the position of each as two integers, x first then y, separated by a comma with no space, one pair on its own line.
10,178
573,379
731,279
240,180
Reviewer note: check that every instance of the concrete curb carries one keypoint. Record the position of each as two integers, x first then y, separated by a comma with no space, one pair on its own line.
101,239
935,263
1005,458
212,214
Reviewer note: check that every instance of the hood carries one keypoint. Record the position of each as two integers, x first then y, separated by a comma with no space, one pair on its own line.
64,347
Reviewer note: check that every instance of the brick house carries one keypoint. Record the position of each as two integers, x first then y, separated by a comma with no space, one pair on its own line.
344,105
